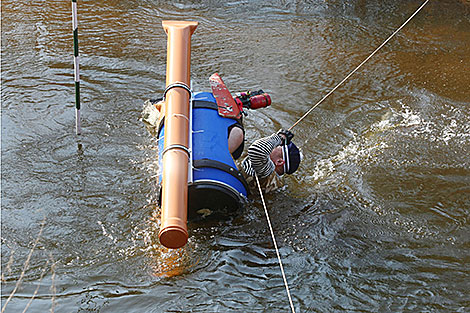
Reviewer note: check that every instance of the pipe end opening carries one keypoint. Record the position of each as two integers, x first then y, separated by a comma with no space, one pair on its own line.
173,237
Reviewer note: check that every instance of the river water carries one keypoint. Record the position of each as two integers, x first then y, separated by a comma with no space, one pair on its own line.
375,220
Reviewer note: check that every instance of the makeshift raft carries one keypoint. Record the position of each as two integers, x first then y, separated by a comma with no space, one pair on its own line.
215,185
198,173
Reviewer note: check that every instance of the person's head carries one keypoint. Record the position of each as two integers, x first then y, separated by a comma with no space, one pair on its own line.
286,158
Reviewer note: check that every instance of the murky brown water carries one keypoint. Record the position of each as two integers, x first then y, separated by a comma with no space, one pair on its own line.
376,219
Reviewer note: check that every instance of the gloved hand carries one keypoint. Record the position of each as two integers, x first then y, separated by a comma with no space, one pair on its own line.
286,135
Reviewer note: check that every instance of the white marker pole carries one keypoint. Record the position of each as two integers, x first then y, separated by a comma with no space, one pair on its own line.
76,59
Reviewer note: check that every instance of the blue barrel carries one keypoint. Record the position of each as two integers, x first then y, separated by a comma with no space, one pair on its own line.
218,188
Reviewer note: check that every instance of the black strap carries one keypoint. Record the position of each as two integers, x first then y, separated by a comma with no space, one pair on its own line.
223,167
177,85
180,147
204,104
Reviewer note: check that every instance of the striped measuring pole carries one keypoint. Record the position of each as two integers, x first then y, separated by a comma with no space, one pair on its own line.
76,62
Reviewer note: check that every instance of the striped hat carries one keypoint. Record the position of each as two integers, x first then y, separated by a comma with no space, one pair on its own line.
292,157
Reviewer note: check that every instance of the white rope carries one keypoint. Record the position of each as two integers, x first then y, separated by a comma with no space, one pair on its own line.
355,70
190,139
275,245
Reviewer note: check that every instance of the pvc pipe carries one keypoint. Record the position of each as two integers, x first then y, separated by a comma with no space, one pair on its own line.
173,230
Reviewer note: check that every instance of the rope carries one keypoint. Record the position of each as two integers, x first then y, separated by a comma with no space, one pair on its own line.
275,245
355,70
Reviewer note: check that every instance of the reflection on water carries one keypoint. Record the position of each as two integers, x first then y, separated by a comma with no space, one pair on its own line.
376,219
162,261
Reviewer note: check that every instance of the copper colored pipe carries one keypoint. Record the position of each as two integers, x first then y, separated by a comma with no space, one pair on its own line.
173,230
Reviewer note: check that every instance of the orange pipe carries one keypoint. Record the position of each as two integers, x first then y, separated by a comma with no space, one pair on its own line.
173,230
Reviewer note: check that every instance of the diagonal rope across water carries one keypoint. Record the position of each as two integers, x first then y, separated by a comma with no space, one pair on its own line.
359,66
275,245
305,115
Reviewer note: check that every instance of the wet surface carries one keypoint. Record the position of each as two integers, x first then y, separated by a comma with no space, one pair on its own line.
375,219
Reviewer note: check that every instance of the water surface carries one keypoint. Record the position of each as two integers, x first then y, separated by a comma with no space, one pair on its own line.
375,219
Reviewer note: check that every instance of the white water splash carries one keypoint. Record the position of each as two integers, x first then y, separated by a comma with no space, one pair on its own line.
395,124
359,150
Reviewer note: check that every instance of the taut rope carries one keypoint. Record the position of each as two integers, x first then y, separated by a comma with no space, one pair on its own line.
275,244
305,115
357,68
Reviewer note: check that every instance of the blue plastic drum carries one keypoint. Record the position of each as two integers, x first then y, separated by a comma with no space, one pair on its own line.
218,188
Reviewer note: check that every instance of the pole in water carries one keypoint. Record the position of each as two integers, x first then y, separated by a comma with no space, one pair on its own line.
176,155
76,58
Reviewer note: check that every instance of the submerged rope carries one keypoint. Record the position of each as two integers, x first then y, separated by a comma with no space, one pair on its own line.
357,68
275,245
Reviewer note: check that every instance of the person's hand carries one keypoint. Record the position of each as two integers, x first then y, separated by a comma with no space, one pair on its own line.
286,135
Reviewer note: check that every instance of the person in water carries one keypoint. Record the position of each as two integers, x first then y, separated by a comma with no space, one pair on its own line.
269,157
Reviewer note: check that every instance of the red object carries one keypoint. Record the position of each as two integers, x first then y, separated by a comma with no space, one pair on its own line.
260,101
238,102
226,105
253,100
